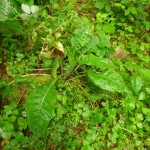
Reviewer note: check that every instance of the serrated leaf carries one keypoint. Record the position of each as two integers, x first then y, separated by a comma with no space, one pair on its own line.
108,80
34,9
96,61
40,108
6,91
136,83
81,36
25,8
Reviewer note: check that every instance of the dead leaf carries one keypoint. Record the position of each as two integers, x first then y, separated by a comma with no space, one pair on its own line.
120,54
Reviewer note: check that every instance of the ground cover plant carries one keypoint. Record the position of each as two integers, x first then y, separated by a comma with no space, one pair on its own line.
75,74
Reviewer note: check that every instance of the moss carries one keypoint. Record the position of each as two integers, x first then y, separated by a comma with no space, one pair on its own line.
17,90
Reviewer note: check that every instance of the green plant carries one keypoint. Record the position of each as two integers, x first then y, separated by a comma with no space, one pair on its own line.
12,123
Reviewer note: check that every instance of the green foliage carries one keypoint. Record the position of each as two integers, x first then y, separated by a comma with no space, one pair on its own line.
98,99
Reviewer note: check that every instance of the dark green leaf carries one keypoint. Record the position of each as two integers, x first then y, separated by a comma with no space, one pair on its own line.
2,83
6,91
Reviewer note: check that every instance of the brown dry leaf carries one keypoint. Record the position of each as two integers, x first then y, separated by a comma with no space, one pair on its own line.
71,85
120,54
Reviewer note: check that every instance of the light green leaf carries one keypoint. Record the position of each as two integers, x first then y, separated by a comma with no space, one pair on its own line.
136,83
103,41
125,1
25,8
140,125
96,61
109,29
146,73
133,127
87,114
34,9
99,5
40,108
141,96
132,10
148,90
19,79
139,117
108,80
6,91
130,106
81,36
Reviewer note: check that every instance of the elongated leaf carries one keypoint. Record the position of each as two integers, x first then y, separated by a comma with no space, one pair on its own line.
96,61
81,36
136,83
40,108
108,80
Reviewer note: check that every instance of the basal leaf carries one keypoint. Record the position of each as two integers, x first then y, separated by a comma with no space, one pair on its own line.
81,36
40,108
136,83
107,80
96,61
